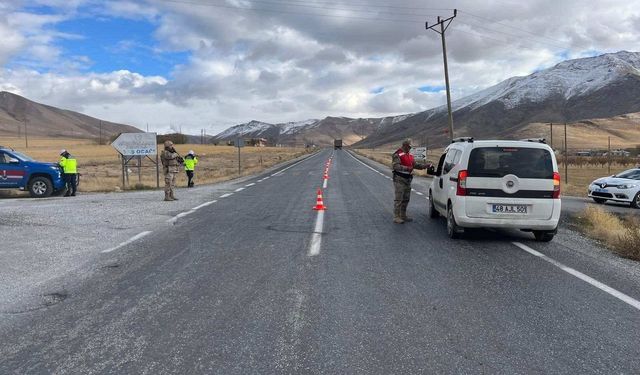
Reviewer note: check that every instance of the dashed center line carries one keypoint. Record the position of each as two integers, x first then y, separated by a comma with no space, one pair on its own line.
316,238
239,189
204,205
226,195
249,185
130,240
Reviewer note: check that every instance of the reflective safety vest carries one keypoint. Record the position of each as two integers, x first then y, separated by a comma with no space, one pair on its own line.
190,163
406,159
69,165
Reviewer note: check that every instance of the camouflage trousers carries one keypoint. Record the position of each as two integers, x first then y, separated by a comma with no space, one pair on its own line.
402,188
169,183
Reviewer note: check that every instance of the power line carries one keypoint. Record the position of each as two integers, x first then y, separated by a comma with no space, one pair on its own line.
291,12
511,27
467,22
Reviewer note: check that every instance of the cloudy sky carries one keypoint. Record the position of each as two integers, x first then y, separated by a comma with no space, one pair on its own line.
210,64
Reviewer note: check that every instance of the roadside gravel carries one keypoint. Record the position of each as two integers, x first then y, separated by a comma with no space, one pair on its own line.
43,241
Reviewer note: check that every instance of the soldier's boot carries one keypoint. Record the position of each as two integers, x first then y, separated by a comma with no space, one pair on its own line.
173,198
397,218
403,216
167,197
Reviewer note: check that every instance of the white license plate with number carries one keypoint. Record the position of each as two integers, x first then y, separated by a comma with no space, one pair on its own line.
601,190
509,208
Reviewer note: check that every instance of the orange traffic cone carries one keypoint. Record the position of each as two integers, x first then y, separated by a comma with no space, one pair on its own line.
319,204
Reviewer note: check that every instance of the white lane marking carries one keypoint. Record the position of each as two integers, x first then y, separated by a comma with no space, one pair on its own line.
239,189
226,195
619,295
130,240
182,214
419,193
359,161
316,238
249,185
324,184
204,205
260,180
266,178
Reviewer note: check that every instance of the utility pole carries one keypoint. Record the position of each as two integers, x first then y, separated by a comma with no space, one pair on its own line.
443,28
100,141
26,134
551,125
609,156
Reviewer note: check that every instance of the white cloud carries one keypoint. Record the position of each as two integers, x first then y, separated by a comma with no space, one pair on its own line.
277,63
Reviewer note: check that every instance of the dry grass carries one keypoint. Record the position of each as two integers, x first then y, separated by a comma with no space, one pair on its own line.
622,235
101,170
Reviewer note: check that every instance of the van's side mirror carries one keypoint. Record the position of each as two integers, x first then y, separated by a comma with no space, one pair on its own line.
431,171
13,161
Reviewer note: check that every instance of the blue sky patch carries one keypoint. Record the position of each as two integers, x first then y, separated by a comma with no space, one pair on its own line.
428,88
377,90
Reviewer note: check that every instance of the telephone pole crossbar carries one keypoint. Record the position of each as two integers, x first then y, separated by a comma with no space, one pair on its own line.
444,25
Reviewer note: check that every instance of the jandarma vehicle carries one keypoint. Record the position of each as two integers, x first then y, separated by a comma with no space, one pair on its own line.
19,171
622,187
497,184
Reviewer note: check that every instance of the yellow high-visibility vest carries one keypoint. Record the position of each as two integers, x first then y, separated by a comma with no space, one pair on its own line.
190,163
69,165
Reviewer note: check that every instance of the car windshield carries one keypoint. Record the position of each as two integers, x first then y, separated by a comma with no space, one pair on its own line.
22,156
520,161
633,174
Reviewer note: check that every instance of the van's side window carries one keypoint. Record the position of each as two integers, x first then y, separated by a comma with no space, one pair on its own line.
2,158
440,164
450,160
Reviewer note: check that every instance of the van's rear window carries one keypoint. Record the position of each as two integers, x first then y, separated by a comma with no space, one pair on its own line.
501,161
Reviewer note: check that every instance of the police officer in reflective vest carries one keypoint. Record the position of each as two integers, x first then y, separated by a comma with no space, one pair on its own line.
69,167
171,161
403,165
190,162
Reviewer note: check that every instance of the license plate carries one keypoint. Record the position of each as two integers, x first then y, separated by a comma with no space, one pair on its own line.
601,190
509,208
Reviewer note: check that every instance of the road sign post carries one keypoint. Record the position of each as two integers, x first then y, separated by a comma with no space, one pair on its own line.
139,146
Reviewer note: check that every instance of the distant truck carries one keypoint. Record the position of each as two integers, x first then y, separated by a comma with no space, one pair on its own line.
337,144
19,171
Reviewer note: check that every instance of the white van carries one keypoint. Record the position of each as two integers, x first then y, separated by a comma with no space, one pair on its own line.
497,184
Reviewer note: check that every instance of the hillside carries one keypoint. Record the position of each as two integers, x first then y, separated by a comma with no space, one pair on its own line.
47,121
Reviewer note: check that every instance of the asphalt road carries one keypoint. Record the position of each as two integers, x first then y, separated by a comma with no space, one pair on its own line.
252,281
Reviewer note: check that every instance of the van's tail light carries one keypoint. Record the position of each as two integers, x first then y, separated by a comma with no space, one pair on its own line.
462,183
556,185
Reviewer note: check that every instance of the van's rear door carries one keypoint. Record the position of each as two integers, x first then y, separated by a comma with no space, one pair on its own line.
508,182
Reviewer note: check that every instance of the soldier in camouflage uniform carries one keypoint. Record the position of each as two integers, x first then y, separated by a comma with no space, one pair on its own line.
171,167
403,165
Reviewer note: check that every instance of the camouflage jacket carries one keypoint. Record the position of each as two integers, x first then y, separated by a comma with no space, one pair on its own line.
170,161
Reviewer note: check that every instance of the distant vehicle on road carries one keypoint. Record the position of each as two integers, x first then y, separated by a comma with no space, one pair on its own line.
622,187
19,171
337,144
497,184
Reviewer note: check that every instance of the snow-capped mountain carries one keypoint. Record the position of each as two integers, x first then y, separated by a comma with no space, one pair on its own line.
594,87
313,131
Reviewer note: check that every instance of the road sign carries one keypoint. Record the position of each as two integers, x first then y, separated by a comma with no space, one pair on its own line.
419,153
136,144
240,142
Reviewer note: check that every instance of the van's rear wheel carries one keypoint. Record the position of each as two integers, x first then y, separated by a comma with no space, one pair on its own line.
453,230
543,235
599,200
40,187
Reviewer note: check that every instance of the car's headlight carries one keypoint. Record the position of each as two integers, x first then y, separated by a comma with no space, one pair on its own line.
627,186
